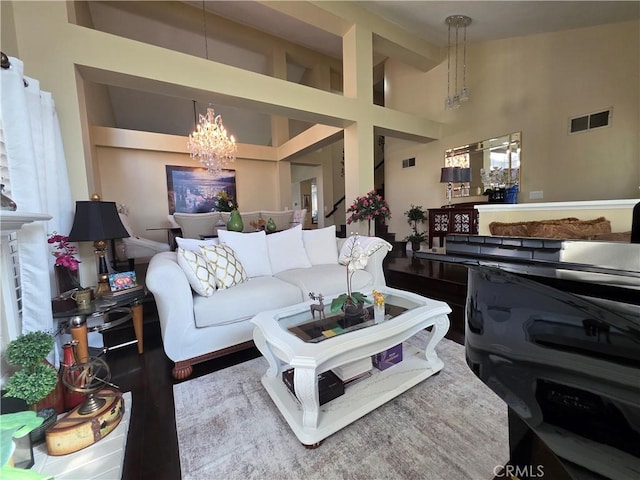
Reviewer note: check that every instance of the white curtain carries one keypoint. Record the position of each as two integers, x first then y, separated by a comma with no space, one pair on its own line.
39,184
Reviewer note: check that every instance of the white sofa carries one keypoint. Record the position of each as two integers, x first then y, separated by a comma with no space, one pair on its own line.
294,263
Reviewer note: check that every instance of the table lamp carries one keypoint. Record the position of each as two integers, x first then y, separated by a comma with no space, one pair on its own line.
96,221
449,175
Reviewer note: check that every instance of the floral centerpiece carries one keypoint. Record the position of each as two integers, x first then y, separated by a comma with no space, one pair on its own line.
368,207
354,259
225,202
66,260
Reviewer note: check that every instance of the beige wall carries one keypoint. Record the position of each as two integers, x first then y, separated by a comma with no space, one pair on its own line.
138,179
532,85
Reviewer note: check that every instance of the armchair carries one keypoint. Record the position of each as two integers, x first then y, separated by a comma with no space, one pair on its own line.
135,247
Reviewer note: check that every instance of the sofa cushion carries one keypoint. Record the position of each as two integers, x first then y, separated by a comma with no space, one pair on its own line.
194,244
198,271
251,249
195,224
326,279
286,250
244,301
320,245
227,268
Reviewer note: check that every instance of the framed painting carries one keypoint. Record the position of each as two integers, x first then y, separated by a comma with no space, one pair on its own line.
194,190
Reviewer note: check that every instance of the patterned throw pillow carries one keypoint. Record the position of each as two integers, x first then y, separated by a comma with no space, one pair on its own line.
228,269
200,274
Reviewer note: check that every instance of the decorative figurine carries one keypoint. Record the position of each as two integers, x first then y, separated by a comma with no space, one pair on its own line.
319,307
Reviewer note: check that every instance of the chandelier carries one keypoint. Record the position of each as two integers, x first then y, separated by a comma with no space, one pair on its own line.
210,144
457,22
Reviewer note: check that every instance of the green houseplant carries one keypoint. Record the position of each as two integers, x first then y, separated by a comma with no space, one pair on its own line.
36,378
415,215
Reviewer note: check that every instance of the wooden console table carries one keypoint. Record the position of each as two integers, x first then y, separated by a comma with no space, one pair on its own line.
454,219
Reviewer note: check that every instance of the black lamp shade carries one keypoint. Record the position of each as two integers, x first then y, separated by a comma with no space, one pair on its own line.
455,175
95,220
450,174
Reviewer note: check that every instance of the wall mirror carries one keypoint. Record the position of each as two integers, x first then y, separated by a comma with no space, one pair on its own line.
499,157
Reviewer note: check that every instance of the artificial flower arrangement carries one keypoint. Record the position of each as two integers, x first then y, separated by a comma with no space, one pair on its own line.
225,202
65,252
356,259
378,298
368,207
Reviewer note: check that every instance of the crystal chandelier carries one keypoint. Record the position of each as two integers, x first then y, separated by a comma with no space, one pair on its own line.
210,144
457,22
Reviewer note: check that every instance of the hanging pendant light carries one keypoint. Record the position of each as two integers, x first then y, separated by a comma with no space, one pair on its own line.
457,21
209,143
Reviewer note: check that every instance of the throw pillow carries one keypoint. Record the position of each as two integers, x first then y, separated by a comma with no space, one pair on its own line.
194,243
201,276
251,250
223,261
286,250
321,245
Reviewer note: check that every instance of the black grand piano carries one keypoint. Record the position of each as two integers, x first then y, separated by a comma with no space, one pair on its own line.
553,328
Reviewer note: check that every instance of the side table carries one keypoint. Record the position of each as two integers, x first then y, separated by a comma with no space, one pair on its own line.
77,321
443,221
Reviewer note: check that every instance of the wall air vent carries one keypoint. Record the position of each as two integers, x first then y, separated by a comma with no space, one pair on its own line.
590,121
409,162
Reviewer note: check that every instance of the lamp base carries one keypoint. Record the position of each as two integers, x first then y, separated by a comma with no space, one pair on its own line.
102,289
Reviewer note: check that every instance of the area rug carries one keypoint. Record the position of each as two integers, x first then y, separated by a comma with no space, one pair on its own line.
451,426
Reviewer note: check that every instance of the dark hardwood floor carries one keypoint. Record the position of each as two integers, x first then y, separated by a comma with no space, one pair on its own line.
152,445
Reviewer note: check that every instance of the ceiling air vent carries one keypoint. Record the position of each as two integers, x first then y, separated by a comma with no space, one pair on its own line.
409,162
590,121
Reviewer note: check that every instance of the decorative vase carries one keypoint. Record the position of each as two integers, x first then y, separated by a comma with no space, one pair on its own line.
353,314
378,313
415,246
234,223
55,399
71,398
271,226
66,279
83,297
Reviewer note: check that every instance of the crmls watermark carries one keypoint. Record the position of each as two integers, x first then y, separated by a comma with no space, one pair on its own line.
519,471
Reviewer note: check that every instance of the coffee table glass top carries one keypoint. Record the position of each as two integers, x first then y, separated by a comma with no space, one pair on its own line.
314,330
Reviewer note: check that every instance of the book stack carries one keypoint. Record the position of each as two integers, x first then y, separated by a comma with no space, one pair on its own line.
329,385
354,370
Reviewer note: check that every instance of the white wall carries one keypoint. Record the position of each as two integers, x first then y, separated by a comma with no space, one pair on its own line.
531,85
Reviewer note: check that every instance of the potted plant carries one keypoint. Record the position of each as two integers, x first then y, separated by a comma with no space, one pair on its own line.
351,303
368,207
66,265
36,378
415,215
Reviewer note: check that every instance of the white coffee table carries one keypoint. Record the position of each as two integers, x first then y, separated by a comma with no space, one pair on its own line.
311,422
